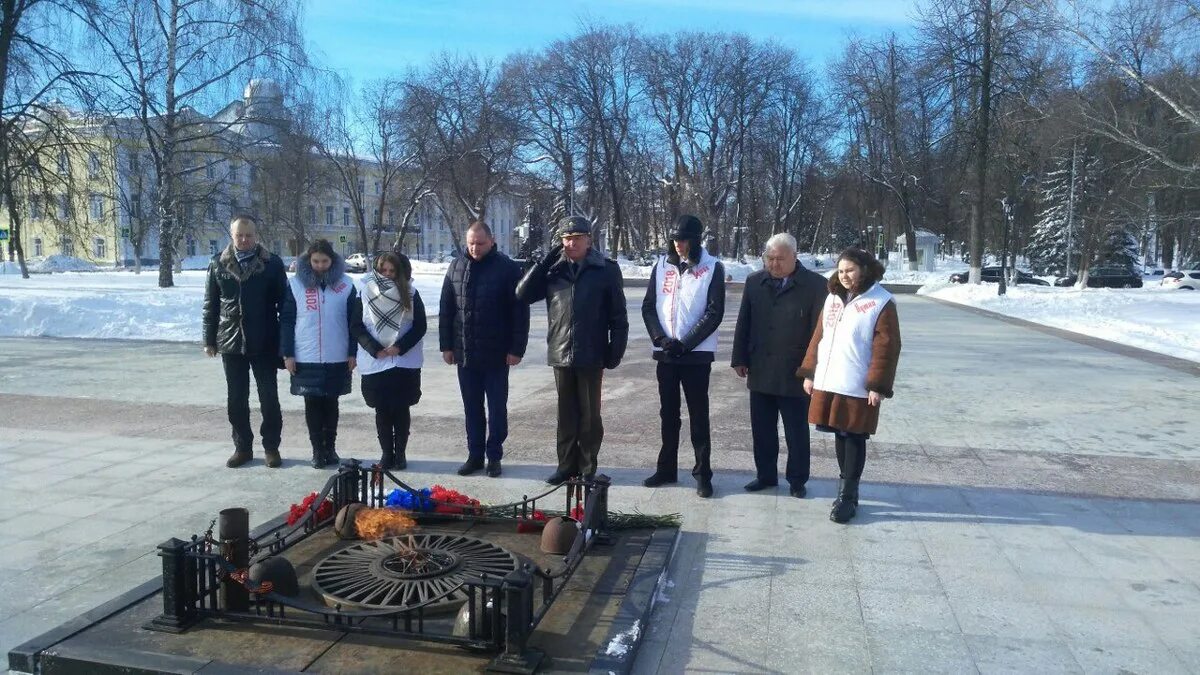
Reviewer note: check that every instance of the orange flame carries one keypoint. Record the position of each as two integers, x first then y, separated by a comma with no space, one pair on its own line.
373,524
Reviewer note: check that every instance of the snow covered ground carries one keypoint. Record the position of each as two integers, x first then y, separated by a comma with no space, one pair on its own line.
123,305
1164,321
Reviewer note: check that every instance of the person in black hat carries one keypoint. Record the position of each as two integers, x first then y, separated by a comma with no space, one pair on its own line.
587,330
684,305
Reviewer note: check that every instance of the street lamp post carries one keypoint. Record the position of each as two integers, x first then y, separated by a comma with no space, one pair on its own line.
1003,288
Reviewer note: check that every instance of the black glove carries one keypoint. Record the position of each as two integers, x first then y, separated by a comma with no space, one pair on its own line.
611,364
552,256
673,348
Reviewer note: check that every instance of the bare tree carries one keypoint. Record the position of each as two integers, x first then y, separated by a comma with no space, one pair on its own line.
173,58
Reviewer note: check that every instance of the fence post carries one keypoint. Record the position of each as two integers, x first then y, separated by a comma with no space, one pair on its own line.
178,600
517,656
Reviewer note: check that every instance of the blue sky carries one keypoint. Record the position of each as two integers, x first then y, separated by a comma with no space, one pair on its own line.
366,39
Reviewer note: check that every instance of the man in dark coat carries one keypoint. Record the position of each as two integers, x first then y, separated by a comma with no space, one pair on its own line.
684,305
242,299
781,306
483,329
587,331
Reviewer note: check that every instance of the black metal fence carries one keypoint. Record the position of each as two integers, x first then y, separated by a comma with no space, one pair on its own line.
206,576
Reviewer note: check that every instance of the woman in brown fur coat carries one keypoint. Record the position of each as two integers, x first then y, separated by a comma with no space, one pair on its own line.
850,367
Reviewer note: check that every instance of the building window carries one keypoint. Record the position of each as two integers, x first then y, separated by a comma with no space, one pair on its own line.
96,207
212,246
134,163
37,247
64,163
391,218
187,217
233,172
253,174
329,215
362,187
99,249
376,187
312,214
67,246
346,216
191,246
64,207
35,208
210,212
93,165
210,172
135,206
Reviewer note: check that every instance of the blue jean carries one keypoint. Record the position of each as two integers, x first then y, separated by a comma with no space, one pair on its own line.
485,434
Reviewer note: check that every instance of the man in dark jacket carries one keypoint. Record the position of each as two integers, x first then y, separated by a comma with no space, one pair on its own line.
781,305
483,329
684,305
242,299
587,330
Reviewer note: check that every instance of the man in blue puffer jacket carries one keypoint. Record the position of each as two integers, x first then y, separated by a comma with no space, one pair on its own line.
483,329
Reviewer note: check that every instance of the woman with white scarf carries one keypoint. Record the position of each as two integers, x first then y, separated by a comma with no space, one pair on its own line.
389,326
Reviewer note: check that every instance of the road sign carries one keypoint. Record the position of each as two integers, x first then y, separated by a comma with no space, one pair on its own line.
341,238
124,232
3,235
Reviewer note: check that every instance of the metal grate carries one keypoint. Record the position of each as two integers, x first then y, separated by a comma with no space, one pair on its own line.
408,571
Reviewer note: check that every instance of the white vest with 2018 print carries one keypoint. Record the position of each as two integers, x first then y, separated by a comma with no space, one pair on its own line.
322,331
848,331
682,298
413,358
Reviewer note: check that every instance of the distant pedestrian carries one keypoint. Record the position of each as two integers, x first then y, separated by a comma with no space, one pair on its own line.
389,326
243,295
684,305
587,332
314,338
781,305
850,367
483,329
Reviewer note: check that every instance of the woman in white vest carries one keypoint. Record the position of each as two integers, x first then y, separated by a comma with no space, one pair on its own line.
850,367
314,327
389,325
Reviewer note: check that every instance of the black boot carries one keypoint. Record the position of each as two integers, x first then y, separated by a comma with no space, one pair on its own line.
399,447
318,450
846,504
330,451
388,461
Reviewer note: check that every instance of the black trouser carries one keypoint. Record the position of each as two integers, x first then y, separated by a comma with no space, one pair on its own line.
580,429
237,399
485,434
321,415
765,411
392,423
693,378
851,454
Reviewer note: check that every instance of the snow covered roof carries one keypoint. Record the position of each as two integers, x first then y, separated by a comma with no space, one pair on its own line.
923,237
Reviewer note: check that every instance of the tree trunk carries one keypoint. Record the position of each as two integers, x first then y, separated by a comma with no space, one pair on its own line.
979,204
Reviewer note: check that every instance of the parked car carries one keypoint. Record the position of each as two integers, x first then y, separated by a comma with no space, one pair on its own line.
1106,277
356,262
1188,280
992,275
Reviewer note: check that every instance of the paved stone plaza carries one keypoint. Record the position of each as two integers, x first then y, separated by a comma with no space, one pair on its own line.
1031,503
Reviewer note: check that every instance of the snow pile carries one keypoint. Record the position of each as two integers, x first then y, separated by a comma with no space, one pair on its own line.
7,267
1160,320
121,305
621,645
62,263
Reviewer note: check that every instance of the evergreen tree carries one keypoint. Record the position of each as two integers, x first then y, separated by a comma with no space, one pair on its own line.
1119,247
1055,230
